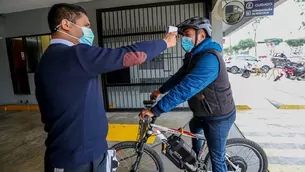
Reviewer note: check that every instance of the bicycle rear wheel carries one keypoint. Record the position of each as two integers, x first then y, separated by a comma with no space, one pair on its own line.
126,155
241,158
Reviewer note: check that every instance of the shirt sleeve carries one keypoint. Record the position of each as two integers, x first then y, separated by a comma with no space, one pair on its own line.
204,73
97,60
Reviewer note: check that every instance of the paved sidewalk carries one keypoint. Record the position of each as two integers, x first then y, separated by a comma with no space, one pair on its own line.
281,134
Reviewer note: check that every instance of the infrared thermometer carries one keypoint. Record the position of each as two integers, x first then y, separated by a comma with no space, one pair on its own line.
171,29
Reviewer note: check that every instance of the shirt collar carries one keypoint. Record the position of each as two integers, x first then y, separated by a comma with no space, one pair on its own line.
61,41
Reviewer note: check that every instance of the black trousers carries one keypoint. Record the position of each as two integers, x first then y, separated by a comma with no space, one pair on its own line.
98,165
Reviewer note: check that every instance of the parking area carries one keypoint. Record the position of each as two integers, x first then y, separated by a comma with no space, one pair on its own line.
263,93
280,132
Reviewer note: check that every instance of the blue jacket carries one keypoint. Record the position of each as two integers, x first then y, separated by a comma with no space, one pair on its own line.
181,88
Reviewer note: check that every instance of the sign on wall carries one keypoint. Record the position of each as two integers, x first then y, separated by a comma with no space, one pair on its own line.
259,8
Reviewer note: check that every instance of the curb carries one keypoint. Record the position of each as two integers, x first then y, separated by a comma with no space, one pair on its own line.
292,107
19,108
33,107
242,107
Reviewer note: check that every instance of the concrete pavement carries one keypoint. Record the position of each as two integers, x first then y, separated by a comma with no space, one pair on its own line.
281,133
261,93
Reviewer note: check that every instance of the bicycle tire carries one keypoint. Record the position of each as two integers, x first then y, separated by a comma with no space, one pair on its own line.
243,141
148,150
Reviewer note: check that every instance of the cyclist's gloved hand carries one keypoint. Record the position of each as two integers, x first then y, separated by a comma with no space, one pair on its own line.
155,95
144,113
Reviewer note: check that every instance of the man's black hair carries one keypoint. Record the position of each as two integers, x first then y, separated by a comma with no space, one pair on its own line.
61,11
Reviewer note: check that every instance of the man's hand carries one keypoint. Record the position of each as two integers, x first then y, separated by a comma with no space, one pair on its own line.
155,95
145,112
171,39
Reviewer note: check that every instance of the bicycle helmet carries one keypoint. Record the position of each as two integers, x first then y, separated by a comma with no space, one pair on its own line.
196,23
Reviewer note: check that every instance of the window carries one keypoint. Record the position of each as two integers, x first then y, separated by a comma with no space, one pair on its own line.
250,58
157,63
34,48
24,54
240,58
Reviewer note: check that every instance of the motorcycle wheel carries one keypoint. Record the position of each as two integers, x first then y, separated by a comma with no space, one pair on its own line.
288,76
246,74
301,78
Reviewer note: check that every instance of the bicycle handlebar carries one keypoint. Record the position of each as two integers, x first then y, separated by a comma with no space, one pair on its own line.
149,104
150,120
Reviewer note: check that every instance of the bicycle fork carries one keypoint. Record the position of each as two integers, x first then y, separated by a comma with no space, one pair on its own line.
140,149
135,166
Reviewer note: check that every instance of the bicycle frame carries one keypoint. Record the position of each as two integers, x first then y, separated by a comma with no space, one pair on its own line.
159,132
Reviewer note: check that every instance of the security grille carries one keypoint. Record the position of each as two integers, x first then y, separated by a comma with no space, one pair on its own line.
127,88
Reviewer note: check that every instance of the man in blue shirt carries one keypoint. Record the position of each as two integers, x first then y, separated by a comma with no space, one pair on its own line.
68,90
203,82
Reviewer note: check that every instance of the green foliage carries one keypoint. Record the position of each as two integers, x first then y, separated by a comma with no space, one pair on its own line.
227,50
295,42
246,44
277,40
236,48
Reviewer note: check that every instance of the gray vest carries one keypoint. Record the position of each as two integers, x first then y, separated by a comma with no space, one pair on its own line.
216,99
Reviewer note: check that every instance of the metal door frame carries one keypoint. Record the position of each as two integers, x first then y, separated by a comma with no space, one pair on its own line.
207,12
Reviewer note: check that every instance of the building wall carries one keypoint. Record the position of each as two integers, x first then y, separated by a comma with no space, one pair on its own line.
35,22
6,88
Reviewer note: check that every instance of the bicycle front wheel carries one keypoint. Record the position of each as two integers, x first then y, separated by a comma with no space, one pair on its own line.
126,155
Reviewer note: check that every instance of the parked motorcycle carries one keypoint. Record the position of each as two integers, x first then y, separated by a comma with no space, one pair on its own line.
246,71
295,72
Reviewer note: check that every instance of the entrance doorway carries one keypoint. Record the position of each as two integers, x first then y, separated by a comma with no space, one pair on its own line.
127,88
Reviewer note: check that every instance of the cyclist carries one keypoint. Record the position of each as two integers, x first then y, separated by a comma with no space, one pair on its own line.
203,82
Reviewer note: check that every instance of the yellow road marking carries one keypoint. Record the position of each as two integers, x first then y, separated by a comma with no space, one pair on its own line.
125,132
292,107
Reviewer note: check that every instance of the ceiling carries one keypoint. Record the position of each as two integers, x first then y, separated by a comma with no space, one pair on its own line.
10,6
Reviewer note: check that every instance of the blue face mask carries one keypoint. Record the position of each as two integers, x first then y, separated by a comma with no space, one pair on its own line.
87,37
187,44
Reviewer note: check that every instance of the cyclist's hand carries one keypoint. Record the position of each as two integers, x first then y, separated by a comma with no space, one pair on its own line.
144,113
155,95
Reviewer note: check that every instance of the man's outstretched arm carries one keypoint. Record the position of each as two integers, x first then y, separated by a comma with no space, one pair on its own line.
97,60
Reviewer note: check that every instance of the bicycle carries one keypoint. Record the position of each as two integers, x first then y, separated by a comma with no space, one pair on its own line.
184,158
